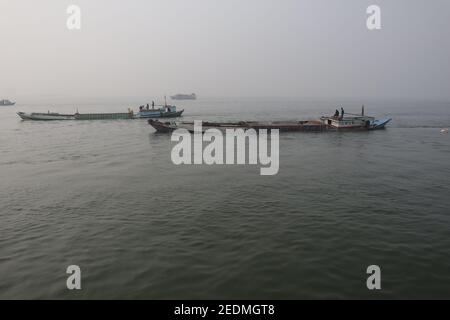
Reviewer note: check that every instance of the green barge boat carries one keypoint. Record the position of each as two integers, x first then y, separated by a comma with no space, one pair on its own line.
163,112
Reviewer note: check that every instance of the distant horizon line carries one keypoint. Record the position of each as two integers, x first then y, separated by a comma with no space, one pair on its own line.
148,98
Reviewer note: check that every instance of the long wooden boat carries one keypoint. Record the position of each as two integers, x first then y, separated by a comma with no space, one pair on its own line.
155,113
348,123
283,126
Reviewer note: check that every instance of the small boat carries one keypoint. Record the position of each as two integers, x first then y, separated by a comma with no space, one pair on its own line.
181,96
352,122
6,102
166,111
355,122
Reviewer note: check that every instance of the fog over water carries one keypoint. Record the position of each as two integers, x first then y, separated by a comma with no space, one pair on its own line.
105,195
224,48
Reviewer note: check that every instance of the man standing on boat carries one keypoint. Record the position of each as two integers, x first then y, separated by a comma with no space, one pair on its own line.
342,113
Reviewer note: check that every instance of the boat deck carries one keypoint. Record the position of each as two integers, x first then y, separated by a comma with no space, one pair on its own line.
104,116
283,126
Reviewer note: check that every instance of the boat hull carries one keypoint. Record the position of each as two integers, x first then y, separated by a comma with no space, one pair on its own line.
163,127
97,116
354,123
282,126
158,114
45,116
288,126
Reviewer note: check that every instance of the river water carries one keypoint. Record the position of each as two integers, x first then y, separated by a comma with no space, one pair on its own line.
105,195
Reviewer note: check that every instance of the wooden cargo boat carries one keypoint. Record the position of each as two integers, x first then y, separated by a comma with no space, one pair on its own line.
283,126
167,112
350,122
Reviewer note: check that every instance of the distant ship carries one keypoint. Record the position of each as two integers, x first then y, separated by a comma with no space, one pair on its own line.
6,103
181,96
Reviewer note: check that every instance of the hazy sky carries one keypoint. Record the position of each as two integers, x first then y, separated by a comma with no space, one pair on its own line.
293,48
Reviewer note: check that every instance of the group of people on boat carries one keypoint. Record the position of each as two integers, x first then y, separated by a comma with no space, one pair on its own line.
141,108
168,108
339,116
